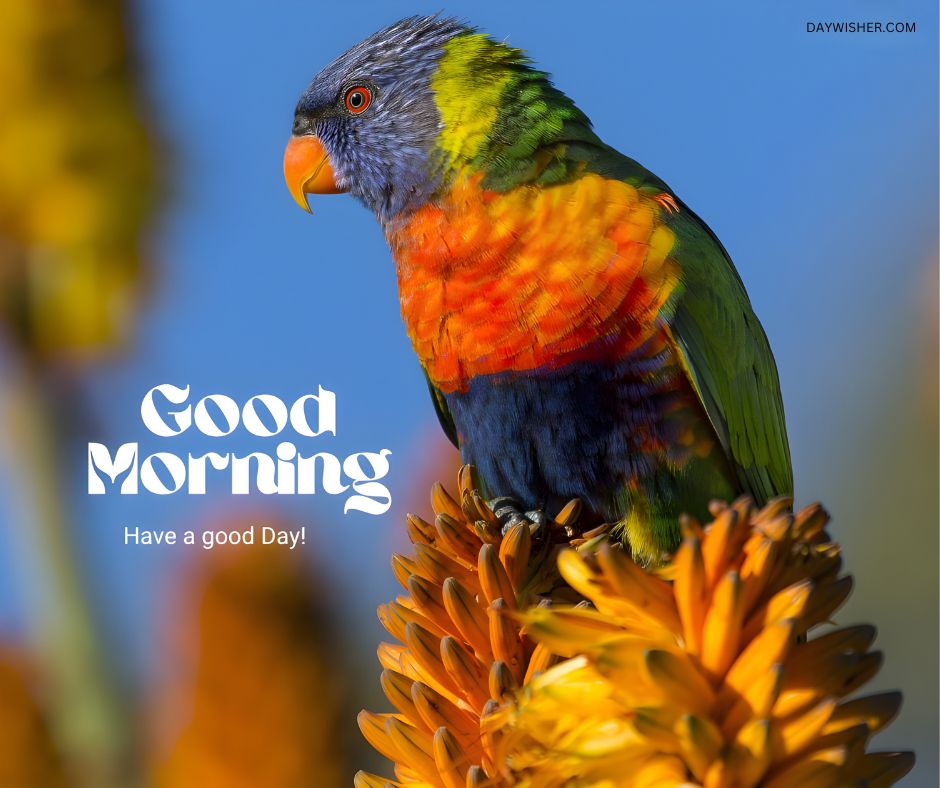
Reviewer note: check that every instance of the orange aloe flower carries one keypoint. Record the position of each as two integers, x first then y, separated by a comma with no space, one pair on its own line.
608,674
28,752
462,649
251,700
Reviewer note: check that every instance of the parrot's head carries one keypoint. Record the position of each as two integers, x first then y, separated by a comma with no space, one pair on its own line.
396,117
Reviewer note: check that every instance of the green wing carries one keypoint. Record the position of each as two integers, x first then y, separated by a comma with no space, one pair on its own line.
719,338
443,414
729,361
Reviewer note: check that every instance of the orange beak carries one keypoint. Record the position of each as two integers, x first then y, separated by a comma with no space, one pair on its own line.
307,169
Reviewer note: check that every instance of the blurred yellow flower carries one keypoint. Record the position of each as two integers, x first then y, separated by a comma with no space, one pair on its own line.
76,176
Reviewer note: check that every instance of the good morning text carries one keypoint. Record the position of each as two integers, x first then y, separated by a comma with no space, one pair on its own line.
168,412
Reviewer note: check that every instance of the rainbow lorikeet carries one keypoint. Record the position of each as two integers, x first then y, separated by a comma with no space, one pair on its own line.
584,334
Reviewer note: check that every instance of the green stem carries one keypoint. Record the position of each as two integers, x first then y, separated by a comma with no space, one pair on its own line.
87,715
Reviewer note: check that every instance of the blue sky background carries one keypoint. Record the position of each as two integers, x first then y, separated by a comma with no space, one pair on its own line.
812,156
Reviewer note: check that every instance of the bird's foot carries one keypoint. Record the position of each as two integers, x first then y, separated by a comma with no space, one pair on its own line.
509,513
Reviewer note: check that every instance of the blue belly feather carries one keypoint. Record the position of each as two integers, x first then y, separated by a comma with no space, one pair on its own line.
547,436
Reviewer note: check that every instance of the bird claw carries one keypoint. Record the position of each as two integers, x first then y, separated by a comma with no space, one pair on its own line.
668,202
509,513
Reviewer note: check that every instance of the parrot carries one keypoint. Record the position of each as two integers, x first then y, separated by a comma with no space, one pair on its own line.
583,333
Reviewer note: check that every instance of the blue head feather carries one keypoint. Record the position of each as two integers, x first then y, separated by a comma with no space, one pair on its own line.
386,155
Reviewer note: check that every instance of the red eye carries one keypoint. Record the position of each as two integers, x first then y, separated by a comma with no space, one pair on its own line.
357,99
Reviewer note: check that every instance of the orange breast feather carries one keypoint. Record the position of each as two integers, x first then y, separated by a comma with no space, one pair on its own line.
537,277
